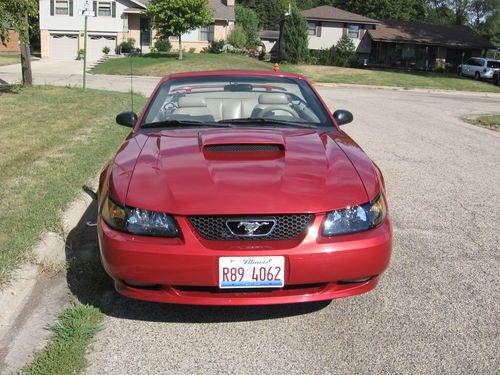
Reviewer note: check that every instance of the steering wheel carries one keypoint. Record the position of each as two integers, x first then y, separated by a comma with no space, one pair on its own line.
282,107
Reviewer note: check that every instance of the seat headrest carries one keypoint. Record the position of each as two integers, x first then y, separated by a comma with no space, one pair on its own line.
190,102
274,98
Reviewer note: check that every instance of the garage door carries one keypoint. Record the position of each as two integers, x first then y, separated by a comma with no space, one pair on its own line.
97,42
63,46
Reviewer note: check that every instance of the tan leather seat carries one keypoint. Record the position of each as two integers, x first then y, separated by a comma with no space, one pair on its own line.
194,107
272,100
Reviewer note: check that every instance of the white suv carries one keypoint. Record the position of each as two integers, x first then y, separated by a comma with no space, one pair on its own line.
479,68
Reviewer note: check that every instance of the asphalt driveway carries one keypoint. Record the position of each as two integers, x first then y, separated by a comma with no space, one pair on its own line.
436,310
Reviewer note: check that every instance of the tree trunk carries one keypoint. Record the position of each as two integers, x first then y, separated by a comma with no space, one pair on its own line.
26,64
180,47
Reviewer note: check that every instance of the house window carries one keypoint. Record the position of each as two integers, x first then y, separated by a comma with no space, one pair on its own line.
353,31
311,28
104,9
206,33
62,7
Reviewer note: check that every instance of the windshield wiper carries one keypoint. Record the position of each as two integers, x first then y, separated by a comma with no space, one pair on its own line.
267,121
184,123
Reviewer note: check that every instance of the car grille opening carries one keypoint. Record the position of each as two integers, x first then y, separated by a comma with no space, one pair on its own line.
245,147
286,227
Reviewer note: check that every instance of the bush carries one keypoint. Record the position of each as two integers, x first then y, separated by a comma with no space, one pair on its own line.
295,37
163,45
106,50
249,21
192,50
237,37
127,46
344,53
216,46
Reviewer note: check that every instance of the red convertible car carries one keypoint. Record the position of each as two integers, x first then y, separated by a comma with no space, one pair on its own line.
239,188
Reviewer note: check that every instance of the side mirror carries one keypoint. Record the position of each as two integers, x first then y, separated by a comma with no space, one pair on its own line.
343,117
127,119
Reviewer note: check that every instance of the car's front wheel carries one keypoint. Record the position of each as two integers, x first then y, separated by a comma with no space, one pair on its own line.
477,76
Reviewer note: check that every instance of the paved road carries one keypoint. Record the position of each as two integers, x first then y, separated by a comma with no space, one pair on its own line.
436,309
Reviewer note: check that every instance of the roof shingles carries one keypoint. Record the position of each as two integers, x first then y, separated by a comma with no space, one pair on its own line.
329,13
221,10
429,34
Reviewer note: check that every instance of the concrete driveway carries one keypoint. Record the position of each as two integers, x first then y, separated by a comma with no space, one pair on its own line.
436,310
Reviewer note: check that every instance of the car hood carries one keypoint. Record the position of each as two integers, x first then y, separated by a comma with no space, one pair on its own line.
209,172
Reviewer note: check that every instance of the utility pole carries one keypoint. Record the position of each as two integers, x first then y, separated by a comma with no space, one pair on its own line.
85,12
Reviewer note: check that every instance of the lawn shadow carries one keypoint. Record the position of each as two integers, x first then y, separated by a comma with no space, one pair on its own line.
91,285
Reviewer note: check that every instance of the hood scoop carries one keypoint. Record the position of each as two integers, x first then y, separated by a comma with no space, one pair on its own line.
245,147
242,142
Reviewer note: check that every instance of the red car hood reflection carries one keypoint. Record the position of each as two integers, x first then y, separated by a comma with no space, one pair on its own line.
177,171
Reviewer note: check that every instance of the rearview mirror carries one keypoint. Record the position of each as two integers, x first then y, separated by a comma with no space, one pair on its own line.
126,119
343,117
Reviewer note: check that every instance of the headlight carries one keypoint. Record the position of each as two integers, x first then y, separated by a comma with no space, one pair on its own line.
355,219
138,221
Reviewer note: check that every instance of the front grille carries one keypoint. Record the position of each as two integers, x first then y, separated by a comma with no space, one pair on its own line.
249,147
286,227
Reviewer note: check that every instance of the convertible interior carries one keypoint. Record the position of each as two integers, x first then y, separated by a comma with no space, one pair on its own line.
212,104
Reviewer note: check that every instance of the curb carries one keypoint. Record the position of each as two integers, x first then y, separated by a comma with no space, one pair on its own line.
23,328
419,90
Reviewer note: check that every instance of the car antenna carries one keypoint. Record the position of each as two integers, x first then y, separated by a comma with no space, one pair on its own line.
131,82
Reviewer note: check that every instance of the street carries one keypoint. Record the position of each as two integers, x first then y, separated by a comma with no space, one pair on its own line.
436,309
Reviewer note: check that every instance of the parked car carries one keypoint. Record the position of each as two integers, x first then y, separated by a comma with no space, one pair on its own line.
240,188
479,68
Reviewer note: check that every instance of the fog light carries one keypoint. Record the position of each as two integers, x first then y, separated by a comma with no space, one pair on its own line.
356,281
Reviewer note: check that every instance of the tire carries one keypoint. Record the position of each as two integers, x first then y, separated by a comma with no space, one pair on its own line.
496,79
477,76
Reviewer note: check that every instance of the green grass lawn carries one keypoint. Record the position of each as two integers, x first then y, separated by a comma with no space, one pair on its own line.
8,58
490,122
163,64
54,139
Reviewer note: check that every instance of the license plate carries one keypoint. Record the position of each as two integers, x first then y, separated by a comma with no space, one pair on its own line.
251,272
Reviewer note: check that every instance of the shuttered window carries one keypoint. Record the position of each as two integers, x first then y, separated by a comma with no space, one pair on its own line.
62,7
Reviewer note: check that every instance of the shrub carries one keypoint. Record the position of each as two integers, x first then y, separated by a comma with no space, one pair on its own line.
295,37
192,50
163,45
237,37
106,50
216,46
344,53
249,21
127,46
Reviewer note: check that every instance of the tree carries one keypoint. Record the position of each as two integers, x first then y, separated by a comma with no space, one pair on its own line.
269,12
295,38
15,13
176,17
403,10
249,21
344,53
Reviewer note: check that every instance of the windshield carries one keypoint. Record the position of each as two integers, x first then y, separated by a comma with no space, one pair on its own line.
248,100
495,64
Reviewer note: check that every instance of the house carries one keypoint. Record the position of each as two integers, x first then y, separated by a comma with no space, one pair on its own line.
422,45
327,24
114,21
416,45
13,43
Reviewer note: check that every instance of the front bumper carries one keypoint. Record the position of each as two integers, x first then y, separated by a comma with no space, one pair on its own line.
185,270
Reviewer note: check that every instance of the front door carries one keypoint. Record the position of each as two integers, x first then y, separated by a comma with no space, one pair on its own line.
145,34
